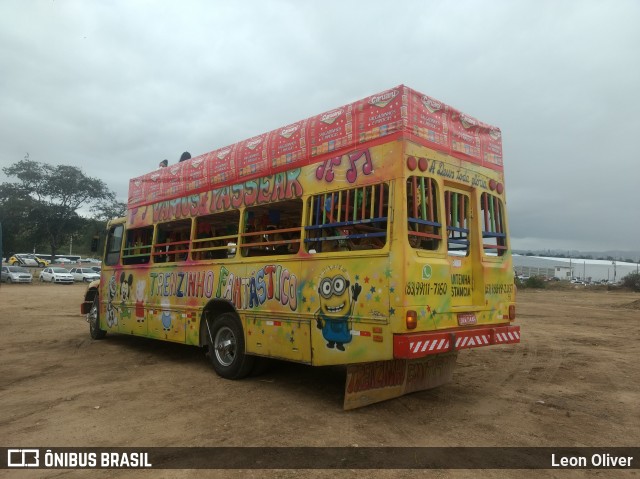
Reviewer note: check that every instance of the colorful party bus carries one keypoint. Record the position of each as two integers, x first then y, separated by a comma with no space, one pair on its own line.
374,236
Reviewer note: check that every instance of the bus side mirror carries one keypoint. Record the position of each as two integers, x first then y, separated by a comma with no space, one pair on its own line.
94,244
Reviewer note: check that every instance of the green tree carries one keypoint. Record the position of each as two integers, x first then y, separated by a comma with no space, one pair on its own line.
14,215
42,205
106,210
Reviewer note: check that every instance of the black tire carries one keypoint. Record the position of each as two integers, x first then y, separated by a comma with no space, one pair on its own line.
52,279
93,317
226,347
9,280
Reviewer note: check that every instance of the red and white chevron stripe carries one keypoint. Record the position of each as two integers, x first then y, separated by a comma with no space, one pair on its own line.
417,345
507,337
430,346
473,341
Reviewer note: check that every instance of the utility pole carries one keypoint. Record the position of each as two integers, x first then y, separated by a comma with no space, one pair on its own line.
570,268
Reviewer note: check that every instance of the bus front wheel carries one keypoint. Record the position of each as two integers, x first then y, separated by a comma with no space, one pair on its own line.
94,320
226,347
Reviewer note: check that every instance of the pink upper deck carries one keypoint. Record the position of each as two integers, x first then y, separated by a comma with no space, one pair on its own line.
394,112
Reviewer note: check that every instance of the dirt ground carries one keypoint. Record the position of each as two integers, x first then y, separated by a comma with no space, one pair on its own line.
572,381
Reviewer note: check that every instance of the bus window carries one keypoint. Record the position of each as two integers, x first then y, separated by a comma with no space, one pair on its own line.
494,237
172,241
137,248
272,229
216,236
424,227
354,219
457,213
114,242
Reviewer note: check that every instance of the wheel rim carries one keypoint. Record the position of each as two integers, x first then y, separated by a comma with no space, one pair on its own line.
224,346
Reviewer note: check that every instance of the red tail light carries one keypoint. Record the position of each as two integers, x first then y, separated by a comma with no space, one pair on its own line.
512,312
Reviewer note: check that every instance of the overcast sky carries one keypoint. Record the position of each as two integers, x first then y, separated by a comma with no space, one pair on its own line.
116,86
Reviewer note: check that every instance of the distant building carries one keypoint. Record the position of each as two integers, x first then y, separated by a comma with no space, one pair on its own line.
567,268
536,266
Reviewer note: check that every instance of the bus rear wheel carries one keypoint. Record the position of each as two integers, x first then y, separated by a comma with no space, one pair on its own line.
94,320
226,347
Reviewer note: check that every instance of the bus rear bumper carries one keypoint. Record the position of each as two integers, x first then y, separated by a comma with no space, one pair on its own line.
419,345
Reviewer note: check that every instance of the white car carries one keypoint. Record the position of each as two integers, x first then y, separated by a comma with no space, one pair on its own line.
56,275
16,274
84,274
62,261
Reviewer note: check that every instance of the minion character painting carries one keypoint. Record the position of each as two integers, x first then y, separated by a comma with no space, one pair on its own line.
337,298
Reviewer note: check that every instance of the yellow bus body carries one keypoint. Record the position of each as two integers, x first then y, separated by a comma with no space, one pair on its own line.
395,311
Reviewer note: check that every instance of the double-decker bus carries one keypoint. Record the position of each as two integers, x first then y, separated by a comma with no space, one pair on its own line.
374,235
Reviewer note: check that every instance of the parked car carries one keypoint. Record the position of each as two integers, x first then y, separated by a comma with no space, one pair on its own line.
15,274
84,274
27,260
62,261
89,261
56,275
97,269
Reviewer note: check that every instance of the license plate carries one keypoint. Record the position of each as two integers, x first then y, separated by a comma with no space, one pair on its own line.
465,319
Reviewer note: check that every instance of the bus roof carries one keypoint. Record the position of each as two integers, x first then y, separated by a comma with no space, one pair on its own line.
394,113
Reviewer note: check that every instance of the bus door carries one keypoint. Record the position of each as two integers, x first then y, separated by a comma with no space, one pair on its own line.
165,316
460,249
